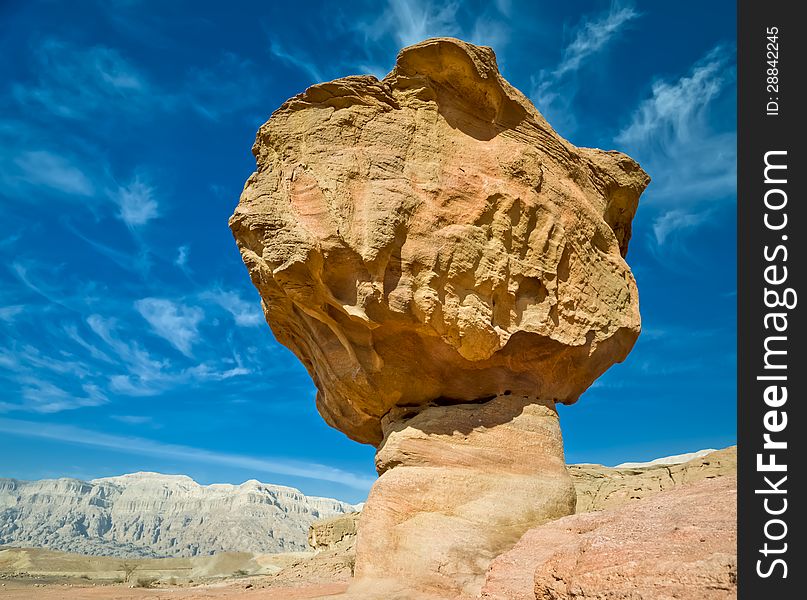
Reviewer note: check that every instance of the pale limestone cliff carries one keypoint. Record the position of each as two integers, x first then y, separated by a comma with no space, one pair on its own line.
150,515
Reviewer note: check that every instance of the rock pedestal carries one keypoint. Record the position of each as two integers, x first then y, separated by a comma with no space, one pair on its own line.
459,484
447,268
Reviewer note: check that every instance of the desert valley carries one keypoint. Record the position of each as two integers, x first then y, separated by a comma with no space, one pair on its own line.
677,496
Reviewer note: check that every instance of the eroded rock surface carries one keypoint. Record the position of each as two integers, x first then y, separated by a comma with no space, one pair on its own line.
679,544
459,484
335,532
430,235
600,487
447,268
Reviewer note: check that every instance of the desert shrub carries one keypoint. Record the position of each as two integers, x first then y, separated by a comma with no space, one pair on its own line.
145,582
128,569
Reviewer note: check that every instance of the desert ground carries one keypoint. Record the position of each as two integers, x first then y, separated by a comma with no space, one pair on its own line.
27,573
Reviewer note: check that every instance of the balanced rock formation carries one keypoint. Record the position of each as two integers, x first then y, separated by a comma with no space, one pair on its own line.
154,515
681,543
447,268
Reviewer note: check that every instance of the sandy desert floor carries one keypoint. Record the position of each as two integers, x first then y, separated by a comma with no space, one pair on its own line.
245,589
34,573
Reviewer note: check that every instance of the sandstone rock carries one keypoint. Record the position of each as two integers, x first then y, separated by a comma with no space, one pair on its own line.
677,544
150,515
430,236
336,532
447,268
332,565
459,484
601,487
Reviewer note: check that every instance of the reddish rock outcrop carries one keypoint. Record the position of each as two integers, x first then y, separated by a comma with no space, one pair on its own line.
676,544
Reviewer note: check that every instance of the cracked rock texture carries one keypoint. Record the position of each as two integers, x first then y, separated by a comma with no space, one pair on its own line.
447,268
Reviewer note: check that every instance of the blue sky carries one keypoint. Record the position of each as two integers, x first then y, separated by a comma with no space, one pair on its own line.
130,335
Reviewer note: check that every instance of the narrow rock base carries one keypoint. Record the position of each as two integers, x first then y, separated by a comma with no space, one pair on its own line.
460,484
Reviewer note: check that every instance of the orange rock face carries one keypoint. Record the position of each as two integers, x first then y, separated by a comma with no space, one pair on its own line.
430,235
447,268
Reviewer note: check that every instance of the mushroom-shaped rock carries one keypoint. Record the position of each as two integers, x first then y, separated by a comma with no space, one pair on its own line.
447,267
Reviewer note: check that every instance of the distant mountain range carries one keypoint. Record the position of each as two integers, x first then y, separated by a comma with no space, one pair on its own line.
155,515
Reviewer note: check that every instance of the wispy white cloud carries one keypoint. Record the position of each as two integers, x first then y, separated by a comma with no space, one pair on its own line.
29,360
74,82
47,383
504,6
141,374
593,36
136,359
681,136
554,90
674,136
674,221
86,83
72,333
81,175
183,253
132,419
172,321
406,22
9,313
245,314
136,202
55,284
66,369
489,31
139,383
147,447
296,59
675,112
45,397
412,21
138,261
23,270
43,168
